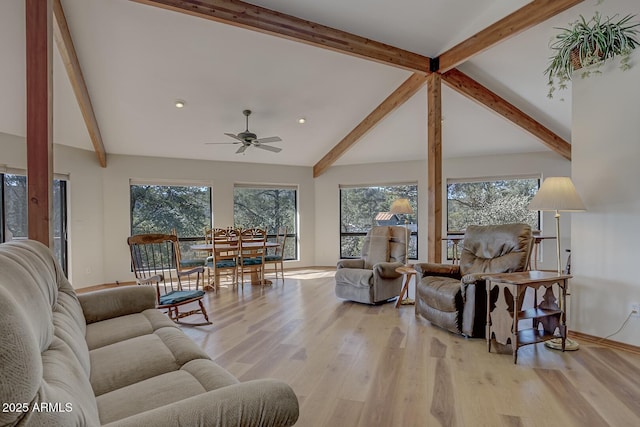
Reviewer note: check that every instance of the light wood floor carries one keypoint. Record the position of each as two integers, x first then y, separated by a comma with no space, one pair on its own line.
357,365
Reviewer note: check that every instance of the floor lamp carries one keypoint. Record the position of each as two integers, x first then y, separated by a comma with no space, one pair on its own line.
558,194
402,206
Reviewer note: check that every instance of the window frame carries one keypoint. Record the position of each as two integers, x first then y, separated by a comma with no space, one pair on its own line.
62,182
291,236
465,180
413,234
174,183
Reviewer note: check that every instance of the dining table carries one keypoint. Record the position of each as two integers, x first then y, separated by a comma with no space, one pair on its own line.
255,279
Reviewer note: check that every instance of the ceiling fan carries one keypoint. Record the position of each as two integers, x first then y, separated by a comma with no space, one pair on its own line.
248,139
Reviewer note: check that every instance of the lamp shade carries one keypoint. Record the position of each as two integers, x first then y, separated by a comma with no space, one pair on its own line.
401,206
557,193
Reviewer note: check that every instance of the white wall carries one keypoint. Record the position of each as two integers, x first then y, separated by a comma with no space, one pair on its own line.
606,150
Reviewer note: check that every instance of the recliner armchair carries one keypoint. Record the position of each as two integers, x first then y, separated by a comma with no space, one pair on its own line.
373,278
454,297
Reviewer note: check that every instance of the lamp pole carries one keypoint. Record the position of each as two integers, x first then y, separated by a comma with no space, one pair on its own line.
557,216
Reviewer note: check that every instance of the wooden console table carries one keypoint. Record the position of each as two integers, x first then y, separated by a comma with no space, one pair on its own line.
503,318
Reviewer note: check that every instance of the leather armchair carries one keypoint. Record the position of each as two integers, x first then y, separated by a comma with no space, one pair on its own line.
454,297
373,278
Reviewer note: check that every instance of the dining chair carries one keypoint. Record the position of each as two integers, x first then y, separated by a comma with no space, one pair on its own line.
224,255
154,262
186,263
252,254
277,257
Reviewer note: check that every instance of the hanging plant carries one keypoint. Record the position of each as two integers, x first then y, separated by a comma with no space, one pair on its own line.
587,44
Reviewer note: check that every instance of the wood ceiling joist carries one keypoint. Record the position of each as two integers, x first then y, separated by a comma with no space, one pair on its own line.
67,51
405,91
475,91
268,21
526,17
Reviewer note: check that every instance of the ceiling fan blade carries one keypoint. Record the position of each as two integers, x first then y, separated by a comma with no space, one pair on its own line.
268,139
209,143
234,137
269,148
241,149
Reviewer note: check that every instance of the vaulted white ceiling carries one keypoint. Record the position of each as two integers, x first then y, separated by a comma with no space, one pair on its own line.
138,59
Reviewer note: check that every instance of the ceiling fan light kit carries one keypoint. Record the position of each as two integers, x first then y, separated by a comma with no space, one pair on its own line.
249,139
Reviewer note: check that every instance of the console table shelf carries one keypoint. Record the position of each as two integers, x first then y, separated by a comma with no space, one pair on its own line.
505,312
533,336
533,313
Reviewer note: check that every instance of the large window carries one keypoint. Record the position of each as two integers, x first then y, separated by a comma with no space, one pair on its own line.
14,217
269,207
162,208
362,207
487,201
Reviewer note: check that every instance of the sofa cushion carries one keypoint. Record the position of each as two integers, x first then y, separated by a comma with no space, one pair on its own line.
124,363
122,328
195,377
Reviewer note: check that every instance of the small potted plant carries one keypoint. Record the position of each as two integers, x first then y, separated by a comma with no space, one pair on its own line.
587,44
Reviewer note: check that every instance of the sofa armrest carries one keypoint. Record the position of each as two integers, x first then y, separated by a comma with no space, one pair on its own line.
115,302
264,402
351,263
387,270
432,269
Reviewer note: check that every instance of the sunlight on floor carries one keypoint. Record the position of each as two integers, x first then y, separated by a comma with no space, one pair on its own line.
309,274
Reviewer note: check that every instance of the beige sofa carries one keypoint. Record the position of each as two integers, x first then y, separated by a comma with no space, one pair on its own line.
110,358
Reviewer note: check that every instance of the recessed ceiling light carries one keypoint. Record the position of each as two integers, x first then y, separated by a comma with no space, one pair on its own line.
302,120
180,104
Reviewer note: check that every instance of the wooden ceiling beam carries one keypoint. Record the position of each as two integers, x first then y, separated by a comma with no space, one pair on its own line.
434,168
245,15
39,129
475,91
405,91
67,51
526,17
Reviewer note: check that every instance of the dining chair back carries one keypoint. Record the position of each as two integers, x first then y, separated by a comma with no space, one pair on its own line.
277,256
154,262
224,257
208,235
252,253
187,263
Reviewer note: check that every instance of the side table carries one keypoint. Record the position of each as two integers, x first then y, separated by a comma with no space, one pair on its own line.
408,272
503,318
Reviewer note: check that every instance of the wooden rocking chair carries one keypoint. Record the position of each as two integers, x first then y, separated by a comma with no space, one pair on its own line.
154,262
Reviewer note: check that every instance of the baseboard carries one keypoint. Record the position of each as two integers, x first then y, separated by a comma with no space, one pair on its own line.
579,336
